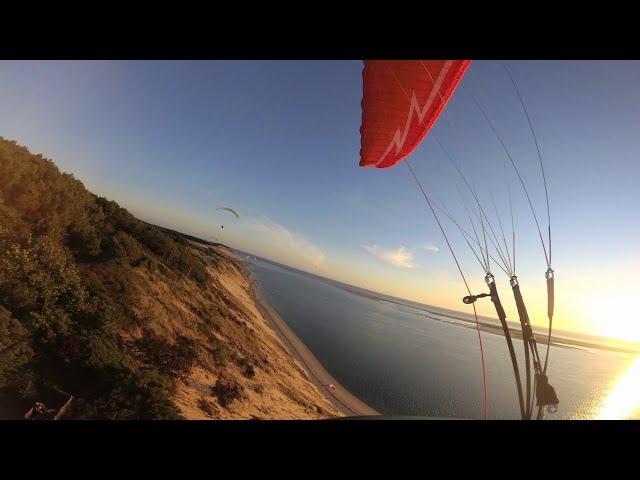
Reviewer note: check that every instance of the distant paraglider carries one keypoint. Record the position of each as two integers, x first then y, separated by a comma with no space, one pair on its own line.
230,210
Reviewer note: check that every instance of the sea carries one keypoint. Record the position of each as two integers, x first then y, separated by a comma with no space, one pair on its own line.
406,358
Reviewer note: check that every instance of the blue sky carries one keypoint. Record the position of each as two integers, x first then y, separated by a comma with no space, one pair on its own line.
279,142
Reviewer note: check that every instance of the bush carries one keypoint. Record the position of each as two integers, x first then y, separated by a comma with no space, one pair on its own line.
141,396
15,349
40,284
174,360
227,390
207,407
68,289
219,351
247,367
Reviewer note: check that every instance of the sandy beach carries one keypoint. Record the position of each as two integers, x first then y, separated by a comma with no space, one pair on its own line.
339,396
286,382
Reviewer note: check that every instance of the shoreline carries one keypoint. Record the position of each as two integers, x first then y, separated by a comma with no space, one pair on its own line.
343,400
561,339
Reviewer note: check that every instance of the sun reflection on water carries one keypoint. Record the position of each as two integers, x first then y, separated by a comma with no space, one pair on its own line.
624,398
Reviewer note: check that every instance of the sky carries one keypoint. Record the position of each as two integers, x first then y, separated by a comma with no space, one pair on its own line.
279,142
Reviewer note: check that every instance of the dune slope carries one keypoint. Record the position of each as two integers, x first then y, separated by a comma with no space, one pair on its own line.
128,320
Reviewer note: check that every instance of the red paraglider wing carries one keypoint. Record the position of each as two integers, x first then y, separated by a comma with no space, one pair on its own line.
401,101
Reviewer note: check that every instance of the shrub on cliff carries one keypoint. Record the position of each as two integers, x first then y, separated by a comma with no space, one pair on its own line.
68,263
227,390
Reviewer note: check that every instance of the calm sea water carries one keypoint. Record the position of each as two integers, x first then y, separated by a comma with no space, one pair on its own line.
410,359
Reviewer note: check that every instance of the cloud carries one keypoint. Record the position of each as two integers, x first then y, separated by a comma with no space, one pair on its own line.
295,244
429,247
400,257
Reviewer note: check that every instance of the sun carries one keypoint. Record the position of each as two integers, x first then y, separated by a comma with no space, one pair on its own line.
612,315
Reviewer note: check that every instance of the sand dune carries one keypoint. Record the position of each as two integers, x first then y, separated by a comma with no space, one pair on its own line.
289,383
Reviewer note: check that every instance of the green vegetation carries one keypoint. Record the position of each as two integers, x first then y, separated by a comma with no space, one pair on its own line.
68,264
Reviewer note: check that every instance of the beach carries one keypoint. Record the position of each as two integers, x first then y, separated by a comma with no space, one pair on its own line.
339,396
287,380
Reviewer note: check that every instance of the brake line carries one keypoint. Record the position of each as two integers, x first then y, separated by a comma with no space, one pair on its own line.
464,279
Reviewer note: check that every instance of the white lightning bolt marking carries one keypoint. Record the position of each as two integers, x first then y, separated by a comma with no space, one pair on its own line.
399,138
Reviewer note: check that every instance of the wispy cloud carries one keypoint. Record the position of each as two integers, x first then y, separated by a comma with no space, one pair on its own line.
430,247
294,243
400,257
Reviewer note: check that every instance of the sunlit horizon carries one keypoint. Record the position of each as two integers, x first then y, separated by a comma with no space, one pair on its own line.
596,307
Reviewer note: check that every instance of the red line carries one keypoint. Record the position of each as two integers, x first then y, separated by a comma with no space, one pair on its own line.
475,313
